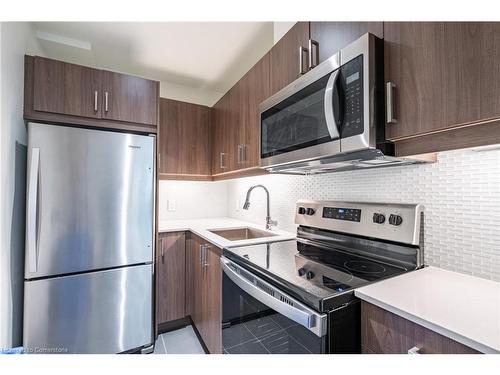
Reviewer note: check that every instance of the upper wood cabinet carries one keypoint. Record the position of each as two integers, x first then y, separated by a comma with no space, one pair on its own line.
130,99
285,56
443,75
331,37
184,140
64,88
255,87
60,92
236,121
170,277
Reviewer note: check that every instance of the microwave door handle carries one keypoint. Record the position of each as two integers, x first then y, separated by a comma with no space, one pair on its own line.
331,124
304,316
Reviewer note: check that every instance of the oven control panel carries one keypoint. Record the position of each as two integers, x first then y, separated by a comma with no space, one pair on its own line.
350,214
394,222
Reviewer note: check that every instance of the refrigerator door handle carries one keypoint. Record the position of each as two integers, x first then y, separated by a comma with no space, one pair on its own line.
31,228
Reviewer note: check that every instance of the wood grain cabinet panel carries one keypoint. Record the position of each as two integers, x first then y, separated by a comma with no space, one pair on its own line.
284,56
333,36
184,139
383,332
129,98
171,291
205,291
64,88
255,86
445,75
62,93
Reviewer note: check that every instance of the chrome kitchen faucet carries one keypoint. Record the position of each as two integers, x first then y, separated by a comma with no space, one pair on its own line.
269,221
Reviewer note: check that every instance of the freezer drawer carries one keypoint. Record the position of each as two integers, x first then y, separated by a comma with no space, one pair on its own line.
90,200
98,312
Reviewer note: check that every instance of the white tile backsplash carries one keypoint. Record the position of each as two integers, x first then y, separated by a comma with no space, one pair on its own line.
192,199
461,195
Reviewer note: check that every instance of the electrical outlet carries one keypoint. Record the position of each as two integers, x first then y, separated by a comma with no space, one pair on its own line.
238,205
171,205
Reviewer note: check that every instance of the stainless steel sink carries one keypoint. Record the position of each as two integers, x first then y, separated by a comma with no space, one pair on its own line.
243,233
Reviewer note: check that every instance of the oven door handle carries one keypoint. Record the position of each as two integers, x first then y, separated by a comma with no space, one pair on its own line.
274,298
331,123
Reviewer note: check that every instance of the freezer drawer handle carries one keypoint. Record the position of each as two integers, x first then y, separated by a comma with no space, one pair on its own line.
31,229
274,298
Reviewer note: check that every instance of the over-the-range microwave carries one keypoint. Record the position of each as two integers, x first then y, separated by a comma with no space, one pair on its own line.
332,117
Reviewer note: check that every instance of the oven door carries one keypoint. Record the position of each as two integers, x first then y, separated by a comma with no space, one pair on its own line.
300,122
258,318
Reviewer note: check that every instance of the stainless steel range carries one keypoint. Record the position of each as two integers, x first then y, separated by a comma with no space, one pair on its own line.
298,296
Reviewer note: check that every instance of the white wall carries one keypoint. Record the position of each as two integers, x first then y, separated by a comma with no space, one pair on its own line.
281,28
461,194
193,199
17,38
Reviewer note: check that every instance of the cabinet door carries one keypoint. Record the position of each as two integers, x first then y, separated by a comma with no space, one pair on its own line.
255,89
129,99
212,306
445,74
383,332
285,56
224,146
63,88
197,284
333,36
184,140
171,277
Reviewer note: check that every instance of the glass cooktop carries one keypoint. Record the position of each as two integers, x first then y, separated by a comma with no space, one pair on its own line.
314,275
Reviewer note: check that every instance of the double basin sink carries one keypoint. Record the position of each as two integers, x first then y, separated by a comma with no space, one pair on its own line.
243,233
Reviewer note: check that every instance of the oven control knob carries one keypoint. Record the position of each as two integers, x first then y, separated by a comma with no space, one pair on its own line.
395,220
310,211
302,271
378,218
310,275
302,210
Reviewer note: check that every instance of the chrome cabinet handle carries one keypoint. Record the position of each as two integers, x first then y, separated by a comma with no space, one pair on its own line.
302,51
201,254
331,124
106,101
315,44
159,162
31,229
391,119
414,350
222,166
239,154
206,247
244,152
161,250
95,101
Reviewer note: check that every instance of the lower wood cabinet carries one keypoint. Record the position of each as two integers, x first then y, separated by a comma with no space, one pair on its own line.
383,332
204,291
170,277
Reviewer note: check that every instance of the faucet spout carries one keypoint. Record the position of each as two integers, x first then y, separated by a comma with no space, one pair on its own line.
246,205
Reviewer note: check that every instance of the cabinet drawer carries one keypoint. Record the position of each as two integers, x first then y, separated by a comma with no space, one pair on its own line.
383,332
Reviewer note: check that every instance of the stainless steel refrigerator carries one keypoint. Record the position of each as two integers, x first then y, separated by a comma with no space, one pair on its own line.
89,241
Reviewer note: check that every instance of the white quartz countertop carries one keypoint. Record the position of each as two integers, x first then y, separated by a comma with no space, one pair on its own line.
461,307
201,227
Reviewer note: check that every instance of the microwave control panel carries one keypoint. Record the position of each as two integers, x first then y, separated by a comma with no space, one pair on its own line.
352,82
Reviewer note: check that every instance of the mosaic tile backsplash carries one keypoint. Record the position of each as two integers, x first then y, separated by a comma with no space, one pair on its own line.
461,195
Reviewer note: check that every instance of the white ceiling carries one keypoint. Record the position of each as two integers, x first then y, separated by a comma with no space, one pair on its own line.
195,61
